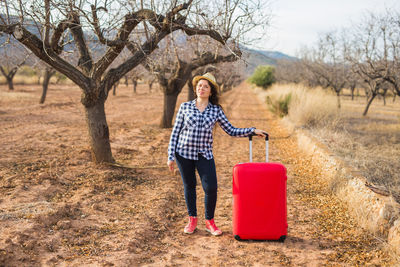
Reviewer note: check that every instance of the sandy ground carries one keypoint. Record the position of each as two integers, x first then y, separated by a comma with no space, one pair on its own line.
57,208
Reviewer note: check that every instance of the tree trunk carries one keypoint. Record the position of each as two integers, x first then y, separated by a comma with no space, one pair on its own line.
45,86
367,94
126,80
384,99
98,133
352,92
373,95
115,89
191,94
10,83
134,85
394,97
338,99
169,110
150,86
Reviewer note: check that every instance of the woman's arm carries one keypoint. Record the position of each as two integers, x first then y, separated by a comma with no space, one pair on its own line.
230,129
175,134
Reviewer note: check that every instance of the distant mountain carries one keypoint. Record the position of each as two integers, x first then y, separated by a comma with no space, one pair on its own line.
254,58
276,55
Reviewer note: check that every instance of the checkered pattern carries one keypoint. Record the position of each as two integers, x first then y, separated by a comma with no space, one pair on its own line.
192,132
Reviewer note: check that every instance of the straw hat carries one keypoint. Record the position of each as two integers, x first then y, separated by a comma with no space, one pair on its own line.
209,77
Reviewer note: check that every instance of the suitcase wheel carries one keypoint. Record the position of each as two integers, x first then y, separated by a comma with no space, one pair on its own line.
282,239
238,238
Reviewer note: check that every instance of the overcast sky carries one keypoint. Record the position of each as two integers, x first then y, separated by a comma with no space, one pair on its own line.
297,23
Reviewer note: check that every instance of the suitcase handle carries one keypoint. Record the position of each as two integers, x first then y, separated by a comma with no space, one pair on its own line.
251,146
253,134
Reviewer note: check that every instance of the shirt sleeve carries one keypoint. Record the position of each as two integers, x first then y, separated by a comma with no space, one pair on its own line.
175,134
230,129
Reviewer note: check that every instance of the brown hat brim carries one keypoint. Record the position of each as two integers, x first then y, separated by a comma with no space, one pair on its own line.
196,79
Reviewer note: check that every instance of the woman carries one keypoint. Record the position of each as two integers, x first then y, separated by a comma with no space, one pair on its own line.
191,147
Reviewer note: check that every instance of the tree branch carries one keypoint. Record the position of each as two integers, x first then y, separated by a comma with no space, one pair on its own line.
85,60
170,16
210,58
137,57
195,31
47,21
55,38
118,44
3,71
33,43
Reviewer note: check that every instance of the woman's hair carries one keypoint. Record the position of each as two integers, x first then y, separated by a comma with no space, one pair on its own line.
214,97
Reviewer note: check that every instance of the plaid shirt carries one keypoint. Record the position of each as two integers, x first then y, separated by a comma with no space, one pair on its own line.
192,132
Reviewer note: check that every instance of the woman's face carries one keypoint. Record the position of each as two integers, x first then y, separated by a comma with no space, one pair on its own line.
203,89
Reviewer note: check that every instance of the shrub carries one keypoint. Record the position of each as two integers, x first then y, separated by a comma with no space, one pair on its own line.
263,76
280,106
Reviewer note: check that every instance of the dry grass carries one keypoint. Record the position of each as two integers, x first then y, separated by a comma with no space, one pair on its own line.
19,79
309,107
23,79
369,144
14,95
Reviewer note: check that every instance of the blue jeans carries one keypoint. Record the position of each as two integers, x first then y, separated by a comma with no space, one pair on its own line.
208,177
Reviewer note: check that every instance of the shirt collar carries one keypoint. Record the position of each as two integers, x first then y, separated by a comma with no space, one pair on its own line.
194,103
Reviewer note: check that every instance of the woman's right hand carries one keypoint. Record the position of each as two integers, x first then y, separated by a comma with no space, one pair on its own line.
260,133
171,164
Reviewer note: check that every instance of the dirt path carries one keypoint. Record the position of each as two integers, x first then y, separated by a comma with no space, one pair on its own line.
59,209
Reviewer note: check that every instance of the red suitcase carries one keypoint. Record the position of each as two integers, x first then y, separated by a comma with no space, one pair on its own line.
259,200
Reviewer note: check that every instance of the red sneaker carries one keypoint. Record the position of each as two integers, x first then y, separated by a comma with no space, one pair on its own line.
191,226
212,228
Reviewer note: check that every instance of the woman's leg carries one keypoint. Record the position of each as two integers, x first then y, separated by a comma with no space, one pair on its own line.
187,170
208,177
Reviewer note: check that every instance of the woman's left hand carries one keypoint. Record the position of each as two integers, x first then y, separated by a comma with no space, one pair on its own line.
260,133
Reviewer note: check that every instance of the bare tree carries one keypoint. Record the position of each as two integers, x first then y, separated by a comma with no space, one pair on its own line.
290,71
230,74
352,80
9,75
151,82
99,31
373,54
328,63
135,75
390,29
13,56
42,70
